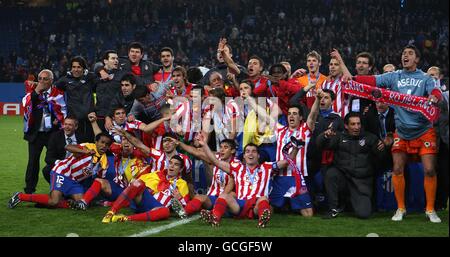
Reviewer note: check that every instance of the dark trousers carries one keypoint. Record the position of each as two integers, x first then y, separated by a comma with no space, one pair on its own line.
442,177
360,191
34,154
46,172
85,130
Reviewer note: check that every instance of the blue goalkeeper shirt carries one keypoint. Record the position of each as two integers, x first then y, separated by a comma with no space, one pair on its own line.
410,124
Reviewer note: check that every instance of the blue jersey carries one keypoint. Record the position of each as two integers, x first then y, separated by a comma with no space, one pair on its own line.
410,124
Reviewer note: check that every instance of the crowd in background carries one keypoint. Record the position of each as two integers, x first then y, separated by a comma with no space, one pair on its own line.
275,30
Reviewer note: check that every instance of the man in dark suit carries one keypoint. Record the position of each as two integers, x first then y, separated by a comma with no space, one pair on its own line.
381,124
44,113
58,140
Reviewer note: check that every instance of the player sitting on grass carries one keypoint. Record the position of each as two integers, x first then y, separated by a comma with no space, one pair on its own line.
129,164
153,193
86,160
251,184
221,181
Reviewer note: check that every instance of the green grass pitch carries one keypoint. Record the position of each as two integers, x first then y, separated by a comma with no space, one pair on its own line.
26,220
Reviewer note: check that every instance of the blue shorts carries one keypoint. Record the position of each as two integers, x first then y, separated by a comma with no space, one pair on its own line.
64,184
280,186
246,208
213,200
148,202
116,190
241,203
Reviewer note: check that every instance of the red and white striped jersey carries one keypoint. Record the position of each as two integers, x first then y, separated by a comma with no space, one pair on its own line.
131,127
157,142
219,179
128,168
80,168
161,162
341,103
303,132
186,91
162,187
251,183
183,113
222,119
231,111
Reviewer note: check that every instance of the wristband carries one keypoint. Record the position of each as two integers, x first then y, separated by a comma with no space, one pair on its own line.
275,166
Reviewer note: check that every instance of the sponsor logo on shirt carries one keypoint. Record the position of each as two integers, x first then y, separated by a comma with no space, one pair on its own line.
409,82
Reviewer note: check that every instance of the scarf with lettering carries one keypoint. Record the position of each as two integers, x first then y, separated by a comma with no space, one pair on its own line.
56,106
300,184
410,102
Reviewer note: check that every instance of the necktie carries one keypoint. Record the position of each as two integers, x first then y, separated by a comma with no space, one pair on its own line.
46,114
382,125
69,142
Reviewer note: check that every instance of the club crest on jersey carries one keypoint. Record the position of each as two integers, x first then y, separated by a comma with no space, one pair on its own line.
87,171
166,192
220,178
248,179
234,164
362,142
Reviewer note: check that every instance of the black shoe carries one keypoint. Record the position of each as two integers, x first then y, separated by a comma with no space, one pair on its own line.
14,200
77,205
333,213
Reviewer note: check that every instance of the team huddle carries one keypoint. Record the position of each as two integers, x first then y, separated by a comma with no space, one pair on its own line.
260,139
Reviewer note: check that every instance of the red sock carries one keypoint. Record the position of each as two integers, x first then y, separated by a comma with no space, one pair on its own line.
193,206
63,204
220,208
153,215
128,195
263,205
34,198
41,199
92,192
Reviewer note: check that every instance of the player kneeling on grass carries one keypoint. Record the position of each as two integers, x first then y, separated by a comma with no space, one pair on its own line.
251,184
129,164
86,160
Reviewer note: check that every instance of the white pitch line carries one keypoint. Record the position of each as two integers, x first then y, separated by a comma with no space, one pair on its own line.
165,227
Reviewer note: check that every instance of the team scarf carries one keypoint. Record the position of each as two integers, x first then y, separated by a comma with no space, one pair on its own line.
410,102
300,184
56,106
164,183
